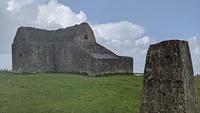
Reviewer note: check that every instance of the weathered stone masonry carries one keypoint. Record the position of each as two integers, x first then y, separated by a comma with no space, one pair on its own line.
168,85
72,50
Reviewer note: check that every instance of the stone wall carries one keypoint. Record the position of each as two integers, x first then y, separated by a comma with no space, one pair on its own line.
71,50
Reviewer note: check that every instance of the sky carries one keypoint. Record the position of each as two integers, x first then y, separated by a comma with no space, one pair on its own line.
125,27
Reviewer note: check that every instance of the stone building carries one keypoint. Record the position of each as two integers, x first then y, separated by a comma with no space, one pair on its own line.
70,50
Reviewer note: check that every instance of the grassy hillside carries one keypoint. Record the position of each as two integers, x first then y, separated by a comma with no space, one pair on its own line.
69,93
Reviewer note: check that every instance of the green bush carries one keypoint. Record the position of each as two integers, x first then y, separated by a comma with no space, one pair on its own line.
5,71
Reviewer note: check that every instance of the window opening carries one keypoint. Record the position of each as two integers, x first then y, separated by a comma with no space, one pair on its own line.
20,55
85,37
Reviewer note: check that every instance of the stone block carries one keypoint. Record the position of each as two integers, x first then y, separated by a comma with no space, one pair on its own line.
168,84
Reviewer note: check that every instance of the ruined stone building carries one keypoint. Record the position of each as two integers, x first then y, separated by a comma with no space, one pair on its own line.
70,50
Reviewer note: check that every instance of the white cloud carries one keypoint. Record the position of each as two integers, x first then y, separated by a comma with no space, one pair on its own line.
122,37
58,14
15,5
47,14
194,43
119,30
145,40
197,50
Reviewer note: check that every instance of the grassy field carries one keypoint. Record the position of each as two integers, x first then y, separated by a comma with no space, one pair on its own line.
69,93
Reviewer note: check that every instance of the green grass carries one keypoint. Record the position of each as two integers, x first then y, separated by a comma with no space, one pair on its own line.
70,93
